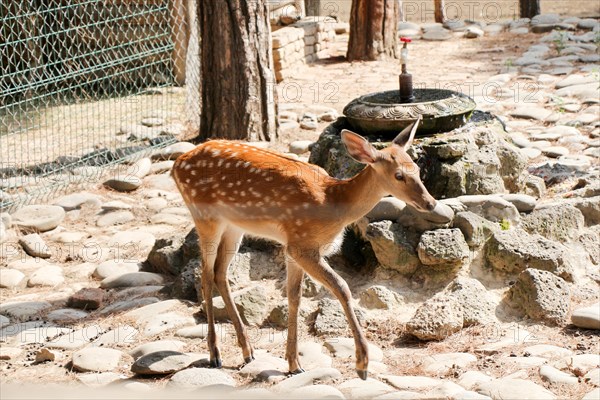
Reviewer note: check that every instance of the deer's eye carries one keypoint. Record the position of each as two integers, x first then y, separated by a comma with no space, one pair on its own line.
399,176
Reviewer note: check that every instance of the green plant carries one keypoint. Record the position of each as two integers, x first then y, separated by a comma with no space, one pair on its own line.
560,42
504,224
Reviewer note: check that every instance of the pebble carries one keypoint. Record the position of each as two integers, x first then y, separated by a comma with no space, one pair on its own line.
547,351
116,205
157,346
45,355
99,380
46,276
162,322
312,356
10,353
342,347
66,315
593,395
139,240
442,363
161,363
74,201
4,321
96,359
124,184
388,208
556,376
170,219
523,202
365,389
194,378
130,279
315,392
555,151
474,32
592,152
152,122
35,246
156,203
125,305
329,116
265,368
161,166
514,389
437,35
115,267
151,310
587,317
115,218
39,217
309,124
74,340
471,379
307,378
173,151
531,112
12,278
524,362
199,331
446,390
123,334
411,382
300,146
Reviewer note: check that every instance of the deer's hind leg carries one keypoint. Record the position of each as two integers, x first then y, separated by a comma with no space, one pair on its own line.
209,235
295,275
228,247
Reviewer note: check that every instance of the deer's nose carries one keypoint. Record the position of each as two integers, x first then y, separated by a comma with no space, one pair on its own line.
431,205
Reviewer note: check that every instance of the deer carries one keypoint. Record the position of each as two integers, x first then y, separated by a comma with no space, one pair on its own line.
232,188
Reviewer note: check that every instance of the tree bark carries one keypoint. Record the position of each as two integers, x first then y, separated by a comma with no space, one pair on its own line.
440,11
373,30
529,8
238,84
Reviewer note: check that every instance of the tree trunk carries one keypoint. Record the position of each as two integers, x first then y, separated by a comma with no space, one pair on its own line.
440,11
238,85
373,30
529,8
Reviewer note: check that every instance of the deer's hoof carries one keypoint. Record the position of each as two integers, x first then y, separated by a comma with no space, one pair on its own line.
216,363
362,374
248,360
297,371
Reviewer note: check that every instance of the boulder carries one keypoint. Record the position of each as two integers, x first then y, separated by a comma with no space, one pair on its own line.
492,207
394,246
477,304
443,248
542,295
250,302
41,218
560,222
475,229
587,317
436,319
380,297
331,318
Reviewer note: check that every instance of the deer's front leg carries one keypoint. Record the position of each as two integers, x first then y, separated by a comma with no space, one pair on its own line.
294,294
317,267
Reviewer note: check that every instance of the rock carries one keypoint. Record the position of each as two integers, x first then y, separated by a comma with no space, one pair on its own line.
545,19
365,389
542,295
66,315
315,392
161,167
114,218
587,317
162,322
46,276
447,390
265,368
394,246
150,121
592,377
442,364
161,363
4,321
491,207
159,346
122,335
594,394
524,203
471,379
44,355
12,279
560,222
436,319
311,356
443,248
300,146
135,240
35,246
124,184
342,347
515,250
10,353
307,378
331,318
87,299
580,363
514,389
555,376
279,315
590,208
475,229
115,267
328,116
173,151
555,151
380,297
531,112
99,379
572,80
38,217
96,359
411,382
250,302
23,309
132,279
167,256
74,201
477,305
473,32
547,351
437,35
74,340
309,125
195,378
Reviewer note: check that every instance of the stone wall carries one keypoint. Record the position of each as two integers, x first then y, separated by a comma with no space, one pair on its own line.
301,43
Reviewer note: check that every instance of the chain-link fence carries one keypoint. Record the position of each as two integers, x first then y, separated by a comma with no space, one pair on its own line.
86,84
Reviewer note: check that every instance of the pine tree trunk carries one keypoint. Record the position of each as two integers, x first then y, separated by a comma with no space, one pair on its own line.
373,30
440,11
529,8
238,84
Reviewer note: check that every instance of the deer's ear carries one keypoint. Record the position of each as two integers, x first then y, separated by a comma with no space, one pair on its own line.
405,138
359,148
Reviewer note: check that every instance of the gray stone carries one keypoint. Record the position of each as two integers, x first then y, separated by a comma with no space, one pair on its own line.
380,297
515,250
122,335
157,346
474,32
329,116
436,319
587,317
545,19
582,363
12,278
387,209
173,151
331,319
300,146
35,246
342,347
471,379
589,207
555,376
250,302
307,378
4,321
115,205
51,275
124,184
74,201
38,217
161,167
308,124
475,229
560,222
161,363
555,151
394,246
588,23
195,378
542,295
477,305
132,279
443,248
524,203
96,359
115,267
491,207
574,79
365,389
437,35
515,389
136,240
66,315
115,218
531,112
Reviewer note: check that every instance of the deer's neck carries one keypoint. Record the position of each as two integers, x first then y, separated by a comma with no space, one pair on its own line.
353,198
